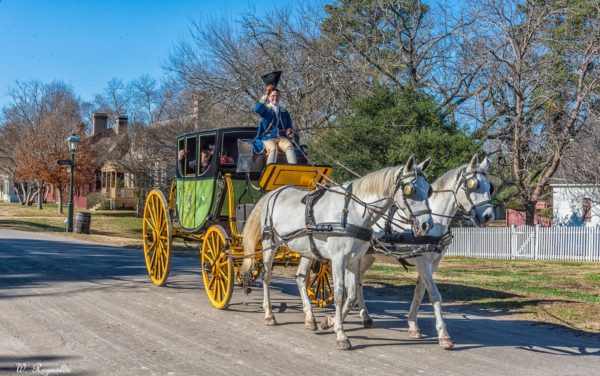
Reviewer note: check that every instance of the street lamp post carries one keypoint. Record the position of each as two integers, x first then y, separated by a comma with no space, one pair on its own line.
73,141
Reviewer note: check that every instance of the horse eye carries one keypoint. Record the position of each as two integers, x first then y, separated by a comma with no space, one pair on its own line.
407,190
430,192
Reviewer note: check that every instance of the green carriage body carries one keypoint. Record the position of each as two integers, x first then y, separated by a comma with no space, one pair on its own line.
200,195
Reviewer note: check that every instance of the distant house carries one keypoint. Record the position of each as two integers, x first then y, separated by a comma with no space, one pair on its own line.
111,182
575,202
114,183
7,190
518,217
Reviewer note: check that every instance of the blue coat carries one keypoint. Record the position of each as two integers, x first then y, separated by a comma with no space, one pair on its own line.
270,126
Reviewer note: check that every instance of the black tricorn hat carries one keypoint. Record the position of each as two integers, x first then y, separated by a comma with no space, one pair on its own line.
272,78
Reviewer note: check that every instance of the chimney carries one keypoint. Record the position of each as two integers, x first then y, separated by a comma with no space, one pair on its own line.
121,124
99,122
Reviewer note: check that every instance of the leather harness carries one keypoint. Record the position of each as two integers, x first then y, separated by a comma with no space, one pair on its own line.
342,228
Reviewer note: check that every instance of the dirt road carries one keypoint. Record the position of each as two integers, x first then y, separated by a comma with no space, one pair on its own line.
78,308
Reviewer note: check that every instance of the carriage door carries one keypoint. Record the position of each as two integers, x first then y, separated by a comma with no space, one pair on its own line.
205,182
186,171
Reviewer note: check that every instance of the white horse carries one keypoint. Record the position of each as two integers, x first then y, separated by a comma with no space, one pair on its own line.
341,227
466,187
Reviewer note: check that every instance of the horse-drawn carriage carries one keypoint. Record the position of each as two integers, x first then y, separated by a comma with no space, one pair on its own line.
218,181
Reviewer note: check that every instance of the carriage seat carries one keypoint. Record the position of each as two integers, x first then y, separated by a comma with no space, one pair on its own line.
250,162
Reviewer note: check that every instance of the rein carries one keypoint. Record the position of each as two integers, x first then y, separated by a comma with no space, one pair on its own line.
368,206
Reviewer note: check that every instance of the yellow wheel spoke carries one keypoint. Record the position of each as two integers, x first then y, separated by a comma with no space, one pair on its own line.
150,248
150,224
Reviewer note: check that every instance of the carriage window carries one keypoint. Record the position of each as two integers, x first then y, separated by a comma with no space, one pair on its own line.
207,150
229,149
191,154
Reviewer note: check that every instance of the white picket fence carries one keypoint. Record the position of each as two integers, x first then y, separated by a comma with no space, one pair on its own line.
528,242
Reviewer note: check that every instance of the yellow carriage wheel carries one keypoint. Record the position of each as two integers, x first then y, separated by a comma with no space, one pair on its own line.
156,230
320,291
217,267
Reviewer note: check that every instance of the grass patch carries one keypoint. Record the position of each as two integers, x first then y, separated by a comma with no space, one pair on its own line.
107,226
17,210
559,292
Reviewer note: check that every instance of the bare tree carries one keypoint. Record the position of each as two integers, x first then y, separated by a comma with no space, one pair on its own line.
115,99
541,80
221,64
36,126
408,44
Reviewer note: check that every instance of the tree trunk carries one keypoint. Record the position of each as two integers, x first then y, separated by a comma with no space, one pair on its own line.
17,188
29,197
40,195
139,204
530,213
60,201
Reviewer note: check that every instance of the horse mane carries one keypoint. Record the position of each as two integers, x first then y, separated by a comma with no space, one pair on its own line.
447,180
377,183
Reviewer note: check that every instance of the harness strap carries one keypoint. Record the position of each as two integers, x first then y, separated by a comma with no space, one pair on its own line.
388,221
348,196
309,217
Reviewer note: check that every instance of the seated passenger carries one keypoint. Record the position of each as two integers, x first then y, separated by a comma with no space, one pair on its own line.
275,127
225,158
205,158
191,165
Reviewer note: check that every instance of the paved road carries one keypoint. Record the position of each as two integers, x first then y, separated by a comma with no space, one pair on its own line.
90,309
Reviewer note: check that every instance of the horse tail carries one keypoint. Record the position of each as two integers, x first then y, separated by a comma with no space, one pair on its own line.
252,234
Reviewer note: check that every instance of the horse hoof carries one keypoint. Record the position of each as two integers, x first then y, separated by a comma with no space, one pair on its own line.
325,323
311,324
368,324
343,344
415,334
446,343
270,321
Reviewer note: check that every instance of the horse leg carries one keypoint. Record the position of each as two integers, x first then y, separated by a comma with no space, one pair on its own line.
413,327
365,263
338,267
351,286
352,281
435,297
418,294
309,318
268,265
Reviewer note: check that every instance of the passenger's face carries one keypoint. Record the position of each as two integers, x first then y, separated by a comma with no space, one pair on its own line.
204,155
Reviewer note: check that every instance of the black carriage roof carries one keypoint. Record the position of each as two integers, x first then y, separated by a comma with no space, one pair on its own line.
218,130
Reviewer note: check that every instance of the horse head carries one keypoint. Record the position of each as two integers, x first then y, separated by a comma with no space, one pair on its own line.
412,194
475,192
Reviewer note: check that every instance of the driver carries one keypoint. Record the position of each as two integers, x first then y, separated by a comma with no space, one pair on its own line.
275,127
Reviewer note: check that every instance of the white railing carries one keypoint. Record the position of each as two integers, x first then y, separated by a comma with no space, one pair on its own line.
528,242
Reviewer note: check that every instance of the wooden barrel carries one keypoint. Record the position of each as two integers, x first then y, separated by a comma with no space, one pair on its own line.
82,222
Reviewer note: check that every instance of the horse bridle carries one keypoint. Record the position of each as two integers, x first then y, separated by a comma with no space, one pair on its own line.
468,182
408,190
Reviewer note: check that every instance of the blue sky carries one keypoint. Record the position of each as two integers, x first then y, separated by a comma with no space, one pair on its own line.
86,43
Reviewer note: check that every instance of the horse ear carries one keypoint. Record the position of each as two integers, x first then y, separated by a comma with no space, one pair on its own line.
410,164
423,165
485,164
473,164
